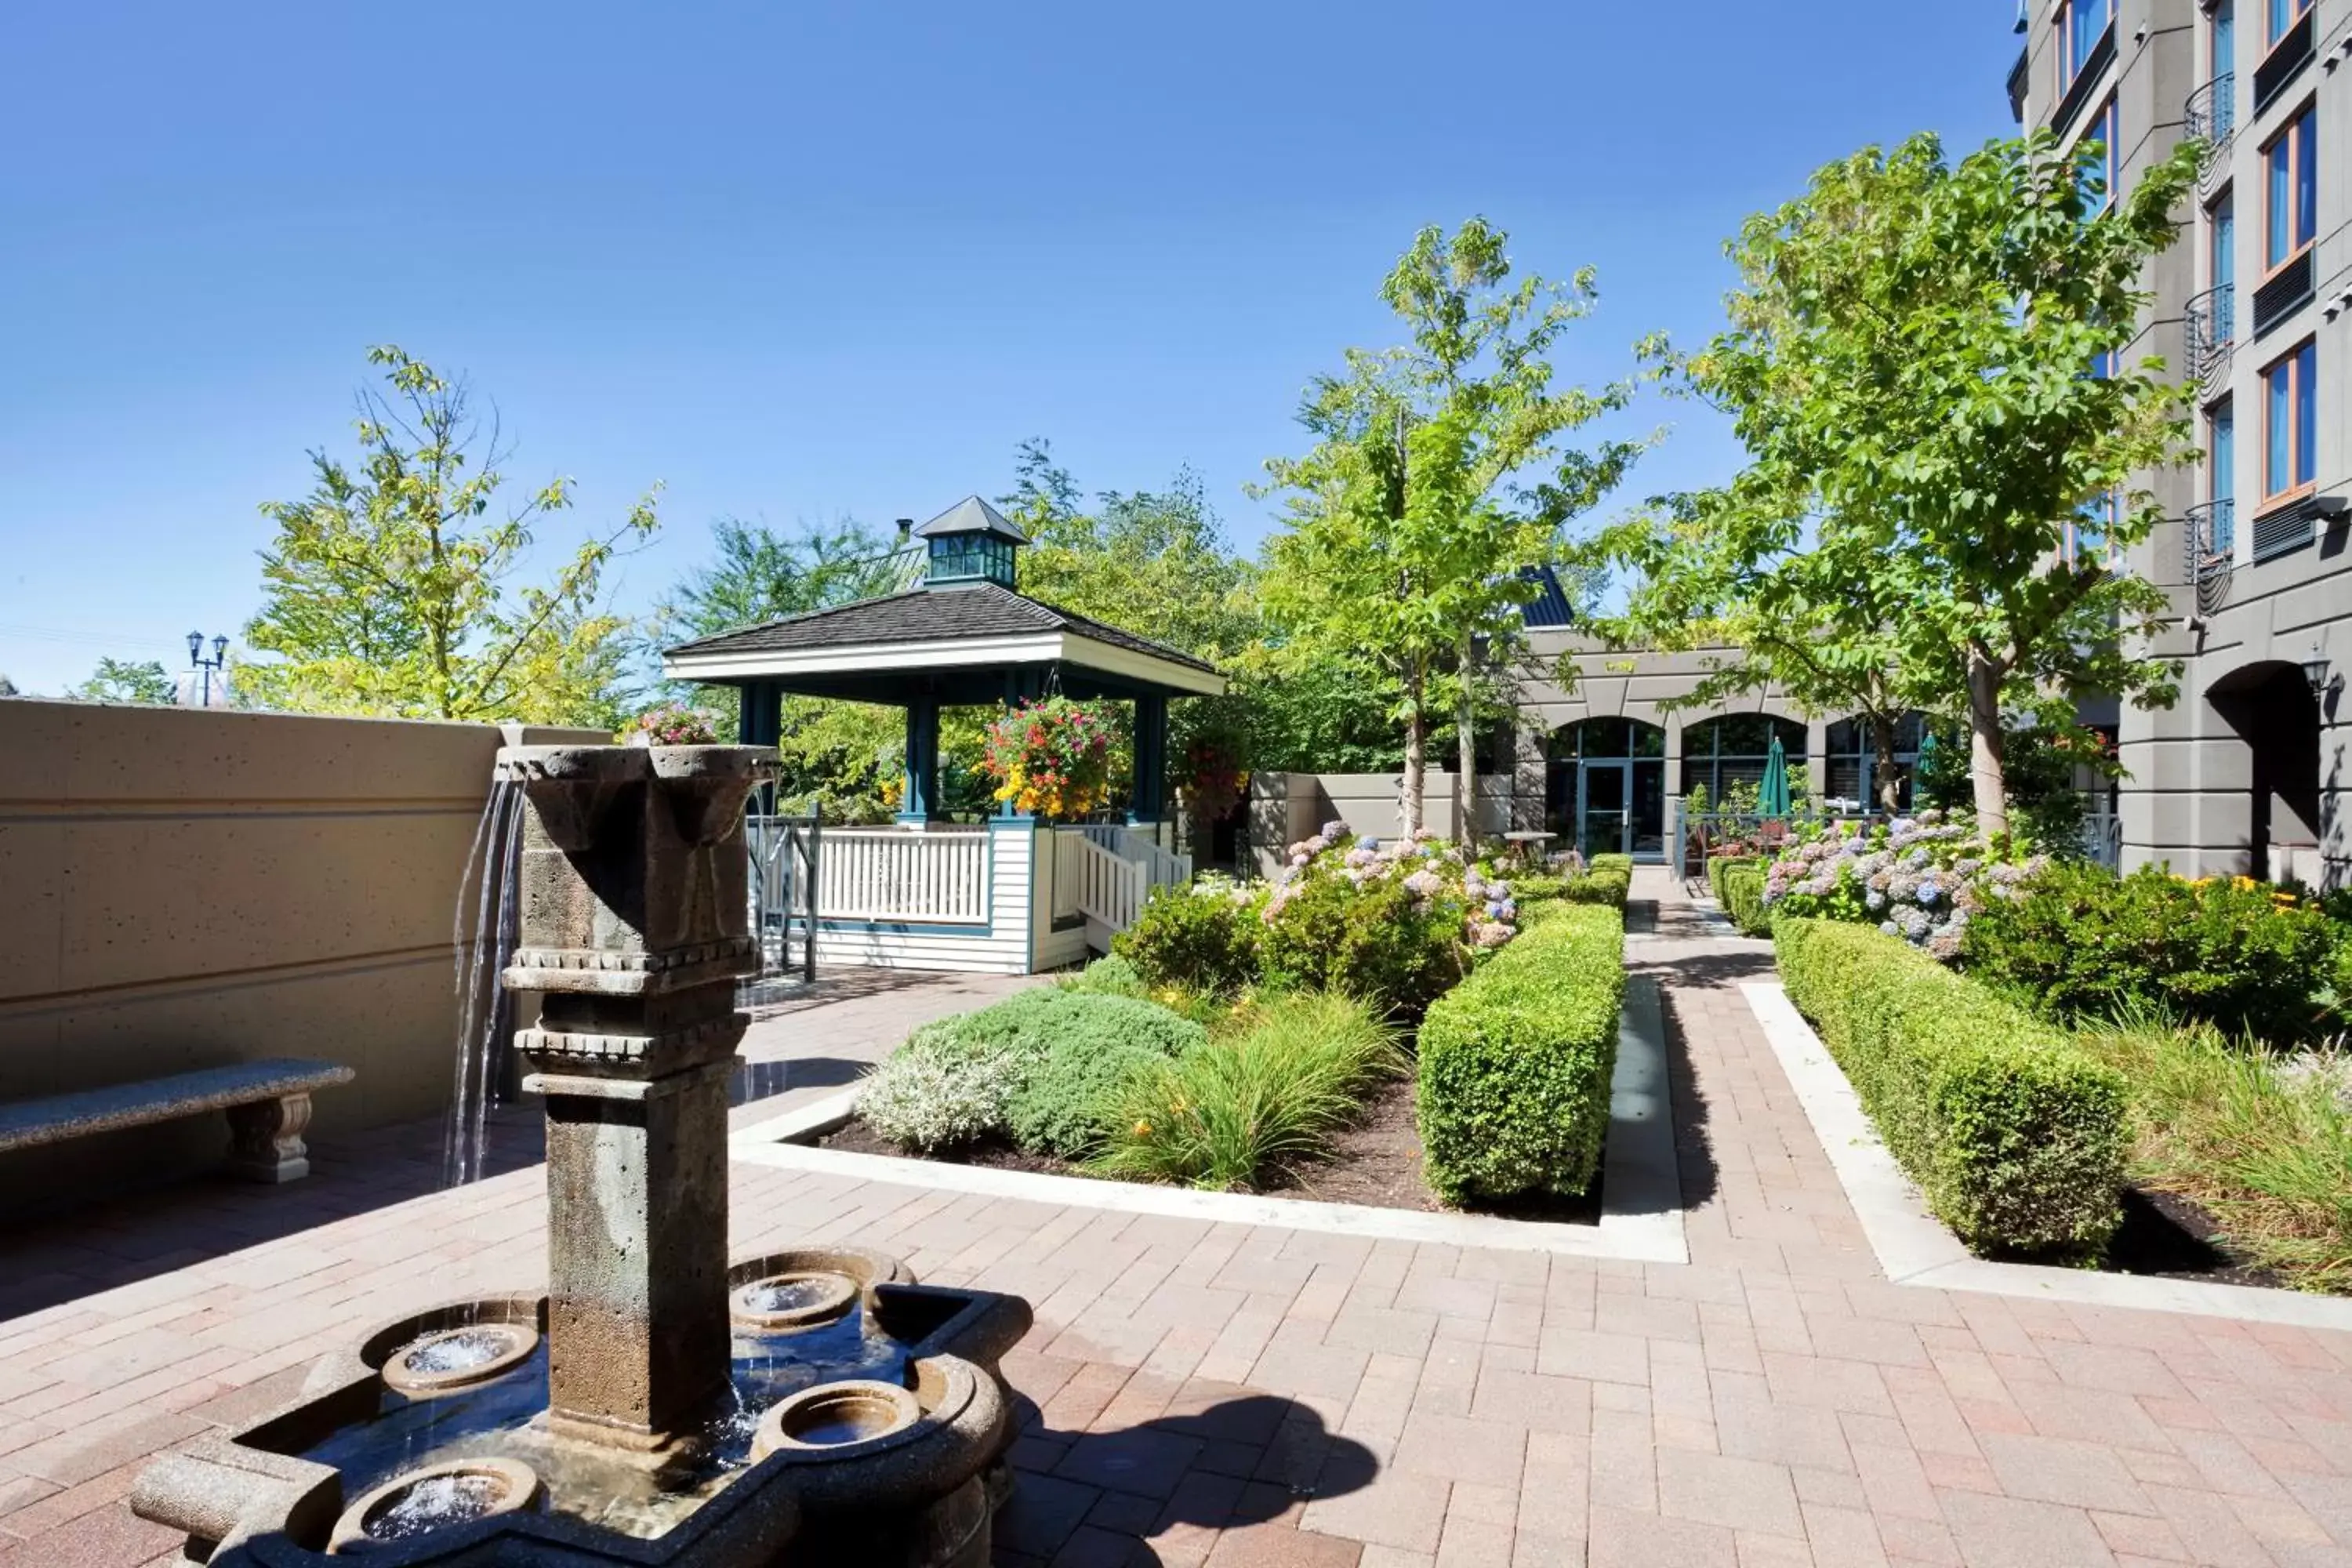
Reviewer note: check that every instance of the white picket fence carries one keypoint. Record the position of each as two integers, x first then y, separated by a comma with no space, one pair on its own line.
890,874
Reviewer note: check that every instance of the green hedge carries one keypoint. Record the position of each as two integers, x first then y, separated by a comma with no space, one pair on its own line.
1720,866
1606,881
1516,1061
2017,1137
1743,898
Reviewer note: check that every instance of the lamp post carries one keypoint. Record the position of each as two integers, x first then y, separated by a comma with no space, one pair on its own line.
196,660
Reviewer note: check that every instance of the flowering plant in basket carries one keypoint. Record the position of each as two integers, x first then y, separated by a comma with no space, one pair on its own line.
670,725
1050,758
1213,776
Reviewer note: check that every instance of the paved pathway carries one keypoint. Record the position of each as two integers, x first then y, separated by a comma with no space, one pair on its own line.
1234,1396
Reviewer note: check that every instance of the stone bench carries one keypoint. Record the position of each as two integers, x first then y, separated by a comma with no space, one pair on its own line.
268,1105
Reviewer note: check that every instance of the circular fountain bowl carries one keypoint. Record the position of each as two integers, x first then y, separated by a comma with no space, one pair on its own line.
835,1416
459,1357
801,1299
435,1498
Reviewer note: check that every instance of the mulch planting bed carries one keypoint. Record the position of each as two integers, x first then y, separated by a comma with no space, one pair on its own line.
2173,1237
1376,1163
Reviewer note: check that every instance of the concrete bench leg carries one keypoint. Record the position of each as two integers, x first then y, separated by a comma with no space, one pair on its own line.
265,1139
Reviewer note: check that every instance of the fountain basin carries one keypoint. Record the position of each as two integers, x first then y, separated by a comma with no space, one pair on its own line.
706,788
450,1359
835,1415
439,1497
573,788
799,1300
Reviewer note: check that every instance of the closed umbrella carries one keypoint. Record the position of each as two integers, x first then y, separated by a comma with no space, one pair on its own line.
1772,794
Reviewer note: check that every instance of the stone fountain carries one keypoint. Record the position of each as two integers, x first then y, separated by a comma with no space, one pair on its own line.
659,1404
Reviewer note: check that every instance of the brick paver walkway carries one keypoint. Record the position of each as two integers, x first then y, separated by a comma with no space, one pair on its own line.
1207,1395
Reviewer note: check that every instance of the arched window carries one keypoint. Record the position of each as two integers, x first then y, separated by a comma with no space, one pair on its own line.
1723,753
1853,773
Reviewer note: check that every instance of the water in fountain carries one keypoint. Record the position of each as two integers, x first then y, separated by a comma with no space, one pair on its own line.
433,1503
459,1352
482,947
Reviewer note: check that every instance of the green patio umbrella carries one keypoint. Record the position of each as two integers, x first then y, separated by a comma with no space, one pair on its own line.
1772,794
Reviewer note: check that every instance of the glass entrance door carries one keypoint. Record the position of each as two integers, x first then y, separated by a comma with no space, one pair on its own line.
1605,816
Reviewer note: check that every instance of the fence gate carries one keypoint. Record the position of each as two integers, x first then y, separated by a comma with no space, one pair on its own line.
783,885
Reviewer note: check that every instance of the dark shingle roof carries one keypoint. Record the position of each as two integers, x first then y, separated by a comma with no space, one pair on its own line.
926,615
1549,608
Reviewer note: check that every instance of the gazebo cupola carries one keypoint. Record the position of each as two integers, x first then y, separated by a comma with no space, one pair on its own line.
970,542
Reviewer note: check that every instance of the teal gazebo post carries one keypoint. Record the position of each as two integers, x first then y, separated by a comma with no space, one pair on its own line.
1147,804
919,805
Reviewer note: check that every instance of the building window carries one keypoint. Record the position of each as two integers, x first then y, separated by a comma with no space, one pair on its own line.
1853,771
2092,524
2290,425
2223,39
2106,131
2283,15
2081,25
2291,191
2223,259
1724,753
2221,477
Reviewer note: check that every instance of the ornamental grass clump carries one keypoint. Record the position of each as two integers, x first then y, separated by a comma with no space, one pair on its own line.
2265,1149
1255,1101
2017,1136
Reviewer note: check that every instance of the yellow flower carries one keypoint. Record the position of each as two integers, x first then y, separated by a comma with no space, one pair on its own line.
1143,1130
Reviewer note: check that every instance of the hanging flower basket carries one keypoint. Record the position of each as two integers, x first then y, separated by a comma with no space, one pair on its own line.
1213,776
668,725
1050,758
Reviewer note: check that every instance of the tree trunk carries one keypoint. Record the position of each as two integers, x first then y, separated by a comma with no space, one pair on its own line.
1416,731
1985,776
1465,753
1890,787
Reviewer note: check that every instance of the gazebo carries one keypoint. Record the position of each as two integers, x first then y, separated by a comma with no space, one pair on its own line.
1002,895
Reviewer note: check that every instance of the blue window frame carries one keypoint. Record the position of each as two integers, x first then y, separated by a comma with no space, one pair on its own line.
2291,424
2291,191
2222,474
2081,25
2284,13
2225,242
2225,38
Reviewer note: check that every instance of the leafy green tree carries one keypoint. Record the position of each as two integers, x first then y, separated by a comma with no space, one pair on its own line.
1941,475
121,680
393,588
762,575
1436,483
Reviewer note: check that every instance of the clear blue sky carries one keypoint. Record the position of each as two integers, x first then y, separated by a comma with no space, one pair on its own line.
806,260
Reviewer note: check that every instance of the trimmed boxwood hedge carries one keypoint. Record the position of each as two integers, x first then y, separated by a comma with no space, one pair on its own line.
1743,898
1721,866
1606,881
2018,1138
1516,1061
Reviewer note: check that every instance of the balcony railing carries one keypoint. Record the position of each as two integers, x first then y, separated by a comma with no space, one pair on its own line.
2209,548
2210,322
2212,111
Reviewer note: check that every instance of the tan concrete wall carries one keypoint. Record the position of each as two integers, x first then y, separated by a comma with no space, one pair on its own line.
180,888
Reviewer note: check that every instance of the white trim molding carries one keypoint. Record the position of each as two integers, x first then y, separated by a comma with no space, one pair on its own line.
1042,648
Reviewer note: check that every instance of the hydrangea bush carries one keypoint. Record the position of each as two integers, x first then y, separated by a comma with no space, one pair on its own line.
1919,878
1396,923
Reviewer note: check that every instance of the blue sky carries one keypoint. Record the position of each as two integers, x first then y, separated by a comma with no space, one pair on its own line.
807,260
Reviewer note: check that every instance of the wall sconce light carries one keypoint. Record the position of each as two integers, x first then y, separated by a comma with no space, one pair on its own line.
2314,675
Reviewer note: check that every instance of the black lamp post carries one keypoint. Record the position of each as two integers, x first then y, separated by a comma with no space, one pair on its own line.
196,660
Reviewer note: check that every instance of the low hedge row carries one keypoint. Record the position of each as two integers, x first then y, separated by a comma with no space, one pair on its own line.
1721,866
1607,879
1743,898
2017,1137
1516,1061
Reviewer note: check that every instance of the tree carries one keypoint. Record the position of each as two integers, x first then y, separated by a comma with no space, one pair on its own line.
1923,363
392,588
121,680
763,575
1413,528
1792,622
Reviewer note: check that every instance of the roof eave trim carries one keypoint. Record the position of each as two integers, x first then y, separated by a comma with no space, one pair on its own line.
1043,648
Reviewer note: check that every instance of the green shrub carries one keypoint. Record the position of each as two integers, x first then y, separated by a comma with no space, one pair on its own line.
1269,1095
2016,1136
925,1099
1516,1062
1397,950
1743,898
1063,1106
1111,977
958,1080
1720,867
2080,941
1201,939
